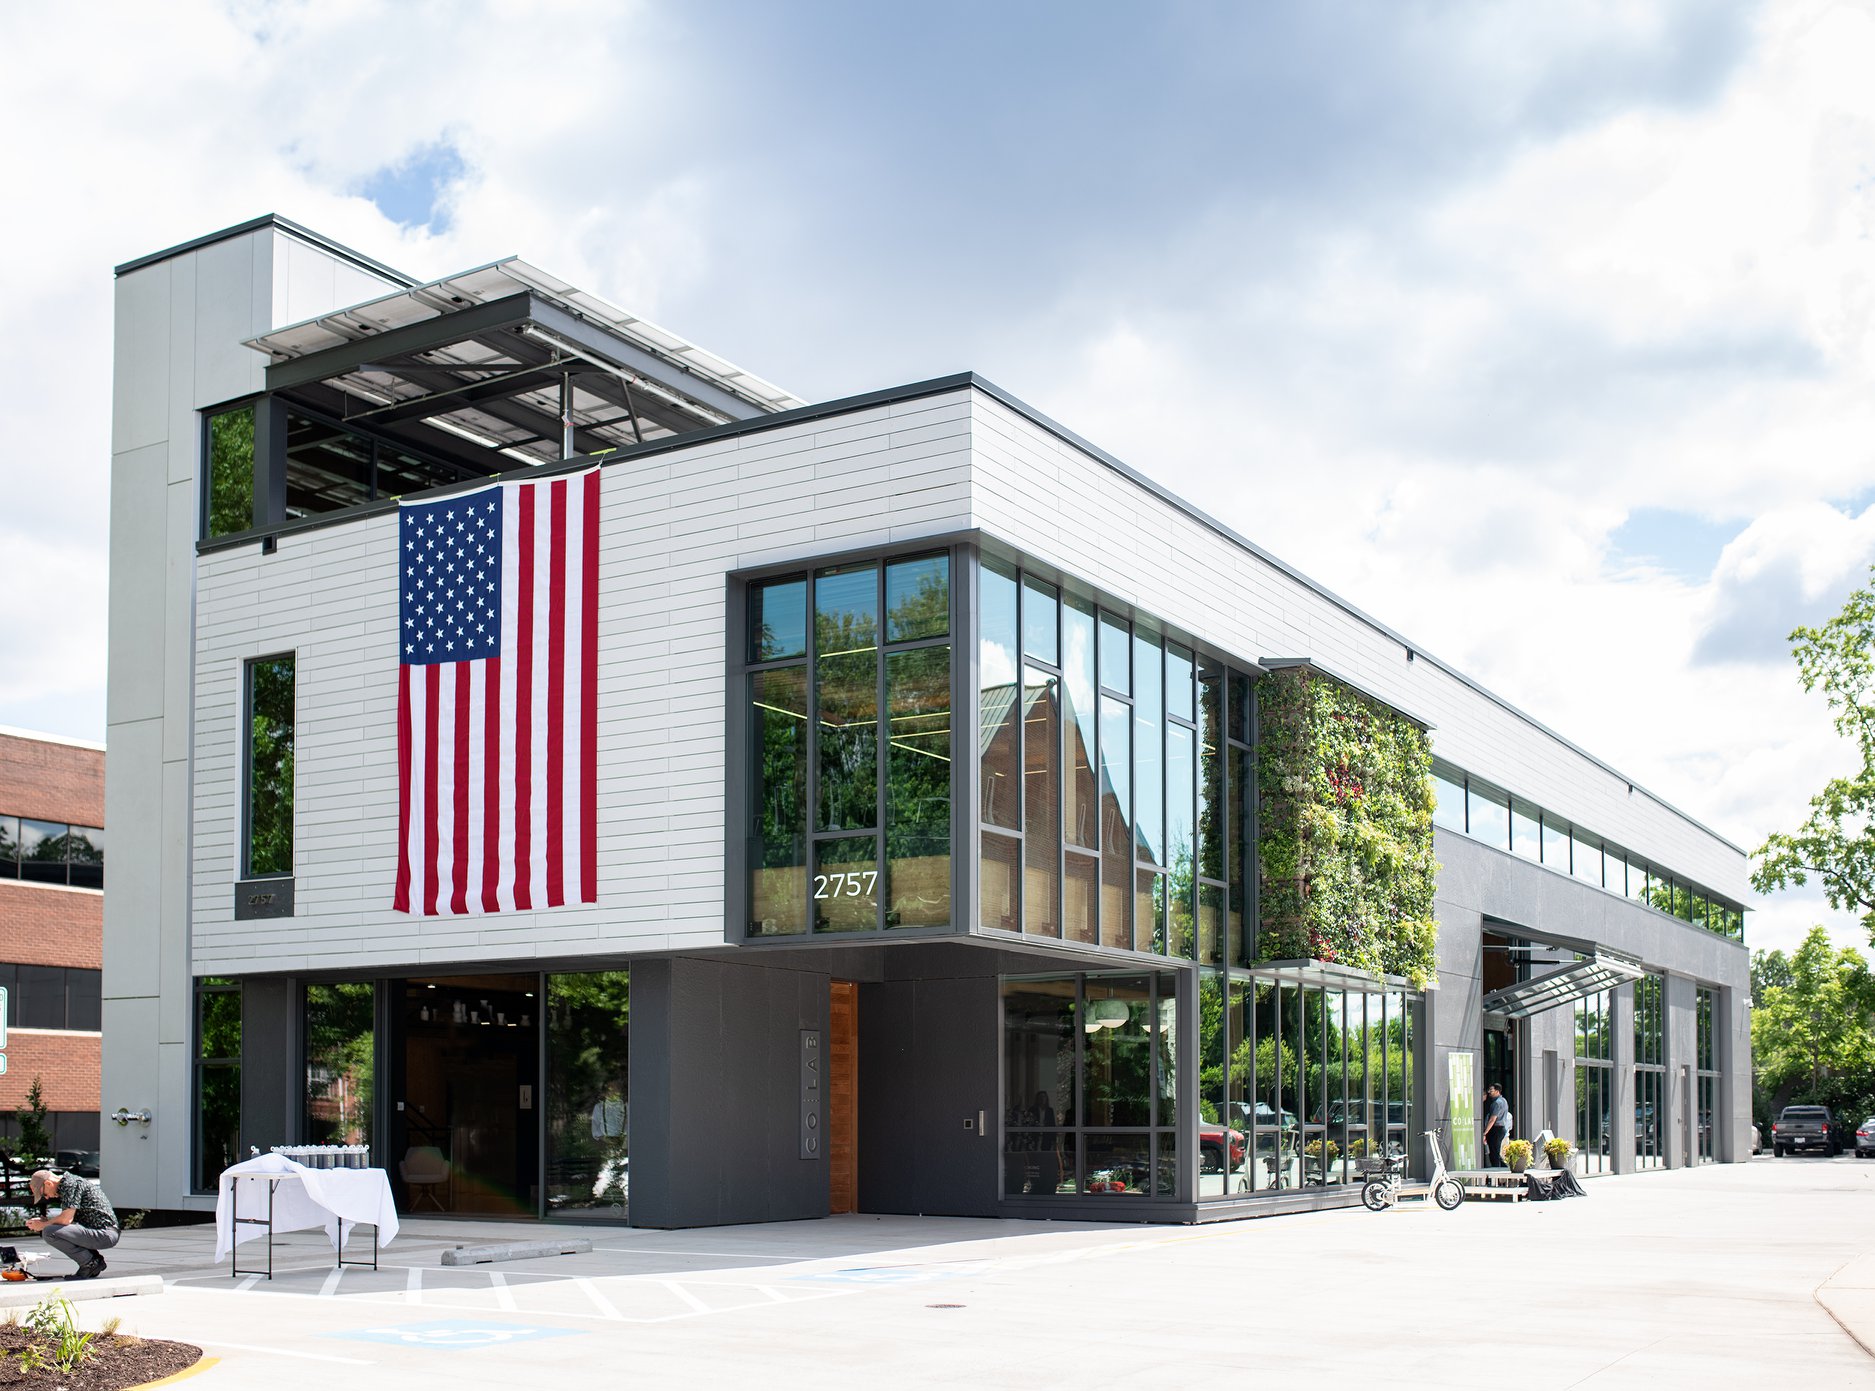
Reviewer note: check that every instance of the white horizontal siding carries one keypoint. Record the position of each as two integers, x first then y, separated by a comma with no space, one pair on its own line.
671,528
1068,509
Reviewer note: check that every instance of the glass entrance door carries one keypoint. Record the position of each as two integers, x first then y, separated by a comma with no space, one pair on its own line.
465,1119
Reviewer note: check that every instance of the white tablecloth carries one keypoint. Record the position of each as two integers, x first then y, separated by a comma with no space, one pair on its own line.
305,1198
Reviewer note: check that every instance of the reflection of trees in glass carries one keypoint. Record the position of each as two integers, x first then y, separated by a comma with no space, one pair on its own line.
778,876
231,471
588,1090
270,766
217,1079
918,787
340,1062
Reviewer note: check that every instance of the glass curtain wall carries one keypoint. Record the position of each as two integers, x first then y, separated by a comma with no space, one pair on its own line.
217,1079
340,1022
1707,1057
589,1094
1299,1085
849,690
1650,1079
1089,1085
1115,791
1595,1072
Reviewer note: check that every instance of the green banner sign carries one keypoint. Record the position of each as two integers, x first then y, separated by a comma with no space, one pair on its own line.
1462,1078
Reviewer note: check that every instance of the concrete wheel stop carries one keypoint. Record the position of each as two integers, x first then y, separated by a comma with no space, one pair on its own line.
515,1251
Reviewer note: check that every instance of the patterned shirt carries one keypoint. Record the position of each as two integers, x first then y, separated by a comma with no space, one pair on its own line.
86,1198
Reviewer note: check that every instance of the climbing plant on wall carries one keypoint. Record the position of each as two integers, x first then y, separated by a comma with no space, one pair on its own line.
1345,829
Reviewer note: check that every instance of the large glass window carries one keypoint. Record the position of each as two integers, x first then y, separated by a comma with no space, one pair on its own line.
1089,1083
589,1093
229,505
51,852
1595,1092
217,1079
1650,1056
1448,790
1487,811
1706,1058
269,765
51,997
341,1036
831,654
1081,822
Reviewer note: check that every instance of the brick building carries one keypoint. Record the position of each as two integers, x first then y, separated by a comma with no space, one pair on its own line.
51,929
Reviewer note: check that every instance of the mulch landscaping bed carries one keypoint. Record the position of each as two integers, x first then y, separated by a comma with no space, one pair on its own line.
116,1362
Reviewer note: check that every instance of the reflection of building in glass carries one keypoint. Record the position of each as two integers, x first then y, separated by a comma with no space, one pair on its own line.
1221,886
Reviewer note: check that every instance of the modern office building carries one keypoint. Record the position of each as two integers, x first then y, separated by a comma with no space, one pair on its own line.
891,804
51,931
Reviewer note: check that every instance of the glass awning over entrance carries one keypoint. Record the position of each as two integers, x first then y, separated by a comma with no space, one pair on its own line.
1599,970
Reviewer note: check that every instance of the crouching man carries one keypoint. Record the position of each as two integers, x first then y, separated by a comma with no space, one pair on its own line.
85,1225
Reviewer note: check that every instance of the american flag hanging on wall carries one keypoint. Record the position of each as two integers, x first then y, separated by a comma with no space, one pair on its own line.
498,641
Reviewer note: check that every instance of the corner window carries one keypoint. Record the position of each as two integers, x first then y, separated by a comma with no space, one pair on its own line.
849,701
230,474
268,761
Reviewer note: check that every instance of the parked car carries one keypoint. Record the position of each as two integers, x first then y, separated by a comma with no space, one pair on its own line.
1806,1129
84,1163
1211,1145
1865,1139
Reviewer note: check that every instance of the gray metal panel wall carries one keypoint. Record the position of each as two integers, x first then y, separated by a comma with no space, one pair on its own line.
1477,881
272,1086
928,1051
720,1134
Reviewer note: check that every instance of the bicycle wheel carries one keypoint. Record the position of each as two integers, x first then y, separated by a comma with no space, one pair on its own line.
1375,1194
1449,1194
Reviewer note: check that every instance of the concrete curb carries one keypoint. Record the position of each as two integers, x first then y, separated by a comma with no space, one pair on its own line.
516,1251
24,1294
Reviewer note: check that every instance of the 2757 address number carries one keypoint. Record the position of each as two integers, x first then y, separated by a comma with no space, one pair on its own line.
858,884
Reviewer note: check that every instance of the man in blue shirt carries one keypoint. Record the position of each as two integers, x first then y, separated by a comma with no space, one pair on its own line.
1496,1126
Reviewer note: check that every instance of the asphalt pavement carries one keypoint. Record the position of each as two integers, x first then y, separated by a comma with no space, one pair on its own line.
1729,1275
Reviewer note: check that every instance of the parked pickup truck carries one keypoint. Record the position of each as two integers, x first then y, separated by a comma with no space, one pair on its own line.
1806,1128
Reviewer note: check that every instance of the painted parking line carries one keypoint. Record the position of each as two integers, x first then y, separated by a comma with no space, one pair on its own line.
455,1335
283,1352
607,1309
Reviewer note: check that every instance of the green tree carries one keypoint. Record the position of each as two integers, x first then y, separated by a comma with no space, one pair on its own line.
1836,843
1770,970
35,1140
1811,1039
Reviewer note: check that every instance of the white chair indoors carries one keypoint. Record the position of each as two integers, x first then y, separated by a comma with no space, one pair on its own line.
423,1168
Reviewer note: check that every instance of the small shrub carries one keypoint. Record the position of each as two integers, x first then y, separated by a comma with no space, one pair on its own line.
1517,1153
1557,1151
65,1343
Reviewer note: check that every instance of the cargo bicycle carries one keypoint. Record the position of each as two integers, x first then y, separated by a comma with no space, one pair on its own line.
1387,1184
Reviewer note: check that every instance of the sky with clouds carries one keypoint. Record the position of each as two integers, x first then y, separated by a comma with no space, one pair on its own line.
1545,334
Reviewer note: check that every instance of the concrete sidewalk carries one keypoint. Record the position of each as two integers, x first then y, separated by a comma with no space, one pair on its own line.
1726,1276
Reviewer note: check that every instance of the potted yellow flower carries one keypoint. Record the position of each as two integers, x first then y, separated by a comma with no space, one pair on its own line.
1557,1152
1517,1154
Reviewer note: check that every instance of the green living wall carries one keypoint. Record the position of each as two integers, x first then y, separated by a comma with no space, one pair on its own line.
1345,830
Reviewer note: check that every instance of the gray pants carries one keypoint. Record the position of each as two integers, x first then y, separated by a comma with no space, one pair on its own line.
78,1243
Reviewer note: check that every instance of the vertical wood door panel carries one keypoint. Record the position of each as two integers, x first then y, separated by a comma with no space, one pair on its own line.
843,1098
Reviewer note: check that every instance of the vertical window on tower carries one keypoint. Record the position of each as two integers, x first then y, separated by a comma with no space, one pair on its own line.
229,502
269,766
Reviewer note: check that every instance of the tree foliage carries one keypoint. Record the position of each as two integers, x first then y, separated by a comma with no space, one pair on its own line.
1836,843
1345,830
35,1141
1813,1037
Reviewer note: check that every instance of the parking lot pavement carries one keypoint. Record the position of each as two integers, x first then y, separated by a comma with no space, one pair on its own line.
1725,1276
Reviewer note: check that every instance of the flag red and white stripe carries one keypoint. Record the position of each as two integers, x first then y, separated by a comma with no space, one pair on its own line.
496,701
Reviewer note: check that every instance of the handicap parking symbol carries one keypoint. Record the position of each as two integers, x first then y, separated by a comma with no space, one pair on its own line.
455,1334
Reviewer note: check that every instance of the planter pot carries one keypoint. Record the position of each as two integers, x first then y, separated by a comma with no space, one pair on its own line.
1517,1166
